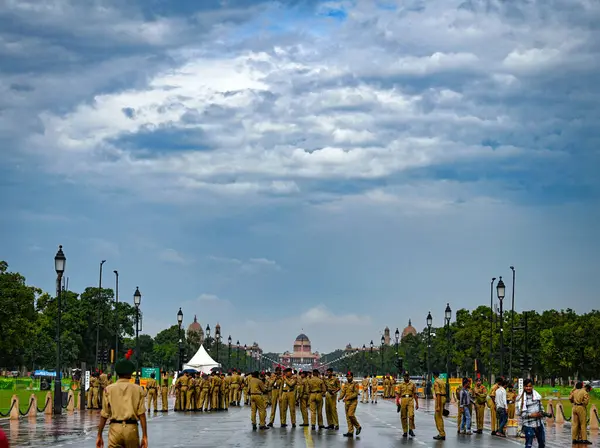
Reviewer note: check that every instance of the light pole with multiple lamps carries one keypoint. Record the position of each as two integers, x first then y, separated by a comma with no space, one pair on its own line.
371,356
137,300
448,317
382,348
491,326
98,314
229,352
59,265
512,325
179,322
500,290
116,318
429,324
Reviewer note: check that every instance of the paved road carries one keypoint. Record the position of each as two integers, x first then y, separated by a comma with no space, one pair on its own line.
381,429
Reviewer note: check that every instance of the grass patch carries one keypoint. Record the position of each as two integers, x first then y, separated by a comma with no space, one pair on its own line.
6,396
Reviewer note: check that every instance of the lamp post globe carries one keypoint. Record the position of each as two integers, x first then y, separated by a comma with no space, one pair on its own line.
500,289
60,262
137,300
397,334
429,320
179,317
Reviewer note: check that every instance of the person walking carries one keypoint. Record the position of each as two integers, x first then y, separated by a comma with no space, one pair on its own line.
529,408
408,400
465,403
123,407
350,397
365,389
439,391
152,388
501,408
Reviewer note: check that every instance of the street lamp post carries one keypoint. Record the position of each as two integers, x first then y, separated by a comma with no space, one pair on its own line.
491,325
218,340
500,289
116,318
59,265
448,316
429,324
397,335
382,348
512,325
364,364
245,355
98,314
137,300
371,357
207,332
229,352
237,357
179,322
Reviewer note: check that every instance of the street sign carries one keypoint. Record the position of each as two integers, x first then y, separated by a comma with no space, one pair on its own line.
86,381
146,371
520,391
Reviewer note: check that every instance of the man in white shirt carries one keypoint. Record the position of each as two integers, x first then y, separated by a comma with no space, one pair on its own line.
529,407
501,408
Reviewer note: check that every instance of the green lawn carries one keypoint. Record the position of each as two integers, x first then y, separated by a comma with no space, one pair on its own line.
6,395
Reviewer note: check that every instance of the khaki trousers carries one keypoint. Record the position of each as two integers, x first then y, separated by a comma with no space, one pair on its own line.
274,402
316,408
123,436
257,403
331,409
204,399
579,423
152,398
479,413
439,418
351,415
493,418
407,413
304,408
288,400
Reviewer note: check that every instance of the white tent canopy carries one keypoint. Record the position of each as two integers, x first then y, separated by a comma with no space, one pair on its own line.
201,361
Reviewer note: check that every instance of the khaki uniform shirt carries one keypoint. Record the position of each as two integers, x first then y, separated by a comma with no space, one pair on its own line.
151,384
404,389
123,401
316,385
480,394
350,391
332,385
256,386
288,384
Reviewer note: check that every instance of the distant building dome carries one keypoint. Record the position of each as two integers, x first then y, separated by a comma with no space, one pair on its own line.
302,344
302,337
195,326
409,330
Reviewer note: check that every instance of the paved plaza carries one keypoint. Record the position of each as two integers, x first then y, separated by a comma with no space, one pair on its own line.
380,422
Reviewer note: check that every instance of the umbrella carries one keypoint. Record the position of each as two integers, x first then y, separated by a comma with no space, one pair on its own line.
190,371
216,369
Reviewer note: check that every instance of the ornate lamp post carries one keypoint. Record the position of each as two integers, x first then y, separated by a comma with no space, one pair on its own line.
59,266
137,300
245,355
448,316
397,335
382,347
491,325
207,332
371,356
98,314
179,322
116,318
500,289
229,352
429,324
237,351
512,325
364,350
218,340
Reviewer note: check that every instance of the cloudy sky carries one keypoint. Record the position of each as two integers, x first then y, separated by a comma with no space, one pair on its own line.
326,167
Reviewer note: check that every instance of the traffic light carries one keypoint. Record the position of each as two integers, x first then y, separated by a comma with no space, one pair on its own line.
105,356
185,358
529,361
399,364
522,362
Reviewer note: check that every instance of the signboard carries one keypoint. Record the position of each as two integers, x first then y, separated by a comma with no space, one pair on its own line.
86,380
146,371
520,391
44,373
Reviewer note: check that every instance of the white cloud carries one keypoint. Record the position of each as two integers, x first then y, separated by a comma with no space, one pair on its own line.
173,256
321,315
250,266
208,298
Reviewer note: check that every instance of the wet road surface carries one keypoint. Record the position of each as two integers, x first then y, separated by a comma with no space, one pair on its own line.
380,422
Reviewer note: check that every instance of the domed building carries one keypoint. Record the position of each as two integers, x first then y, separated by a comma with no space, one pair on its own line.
409,330
302,357
195,327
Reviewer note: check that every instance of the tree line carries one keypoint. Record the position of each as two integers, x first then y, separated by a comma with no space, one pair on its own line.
560,344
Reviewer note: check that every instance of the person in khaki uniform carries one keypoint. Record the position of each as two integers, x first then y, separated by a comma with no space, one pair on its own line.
365,389
317,389
256,389
225,384
332,385
374,387
123,406
480,397
350,397
580,399
234,388
288,398
245,388
205,393
215,388
164,391
408,400
303,398
276,384
511,397
459,412
439,391
94,386
103,383
152,389
492,406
